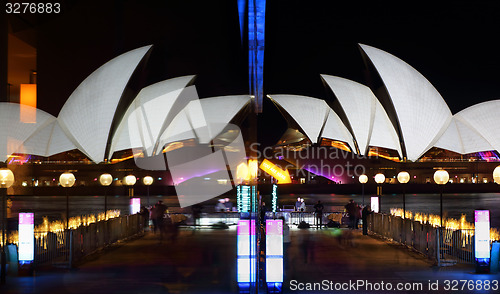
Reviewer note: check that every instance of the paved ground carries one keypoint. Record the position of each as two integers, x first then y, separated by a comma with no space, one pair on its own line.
204,262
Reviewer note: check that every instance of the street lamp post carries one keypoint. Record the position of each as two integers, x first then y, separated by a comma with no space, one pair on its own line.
6,181
130,181
147,180
363,179
441,177
379,179
403,178
105,180
67,180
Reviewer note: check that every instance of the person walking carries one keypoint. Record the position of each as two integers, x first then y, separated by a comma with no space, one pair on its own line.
196,210
318,211
144,213
157,214
358,216
351,208
366,212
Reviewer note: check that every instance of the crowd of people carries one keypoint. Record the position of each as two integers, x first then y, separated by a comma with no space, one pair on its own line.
161,222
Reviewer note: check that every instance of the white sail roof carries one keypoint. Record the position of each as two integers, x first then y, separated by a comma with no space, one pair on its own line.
460,137
334,129
421,111
143,121
310,113
48,141
14,132
484,119
367,117
383,133
204,119
88,113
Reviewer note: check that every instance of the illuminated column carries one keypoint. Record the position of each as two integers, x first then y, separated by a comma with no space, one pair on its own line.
374,204
274,255
482,240
246,254
6,181
252,14
26,237
67,180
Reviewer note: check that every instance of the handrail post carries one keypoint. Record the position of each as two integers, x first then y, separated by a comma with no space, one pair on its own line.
438,247
70,257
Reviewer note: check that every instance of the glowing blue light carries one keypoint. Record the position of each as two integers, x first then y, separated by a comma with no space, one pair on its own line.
255,10
274,201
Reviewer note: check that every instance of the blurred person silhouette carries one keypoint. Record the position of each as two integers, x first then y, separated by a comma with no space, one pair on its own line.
157,214
366,212
318,211
302,209
220,207
228,204
144,213
297,204
263,211
196,211
358,214
351,209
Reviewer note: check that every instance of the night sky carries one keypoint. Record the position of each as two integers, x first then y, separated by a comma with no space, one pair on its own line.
452,43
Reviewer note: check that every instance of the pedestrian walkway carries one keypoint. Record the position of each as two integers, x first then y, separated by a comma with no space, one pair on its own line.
321,255
205,262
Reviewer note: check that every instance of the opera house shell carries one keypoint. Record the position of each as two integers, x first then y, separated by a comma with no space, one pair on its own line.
410,117
86,121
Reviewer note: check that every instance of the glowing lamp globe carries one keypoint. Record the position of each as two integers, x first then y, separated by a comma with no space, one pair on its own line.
363,179
379,178
403,177
441,177
6,178
105,179
129,180
67,180
496,175
147,180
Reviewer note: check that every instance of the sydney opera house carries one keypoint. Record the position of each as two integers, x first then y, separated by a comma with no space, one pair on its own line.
397,121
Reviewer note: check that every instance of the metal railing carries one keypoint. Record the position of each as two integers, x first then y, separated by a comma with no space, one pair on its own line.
457,245
442,245
420,237
64,248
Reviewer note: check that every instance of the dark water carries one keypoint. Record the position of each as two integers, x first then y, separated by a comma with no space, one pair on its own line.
454,205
